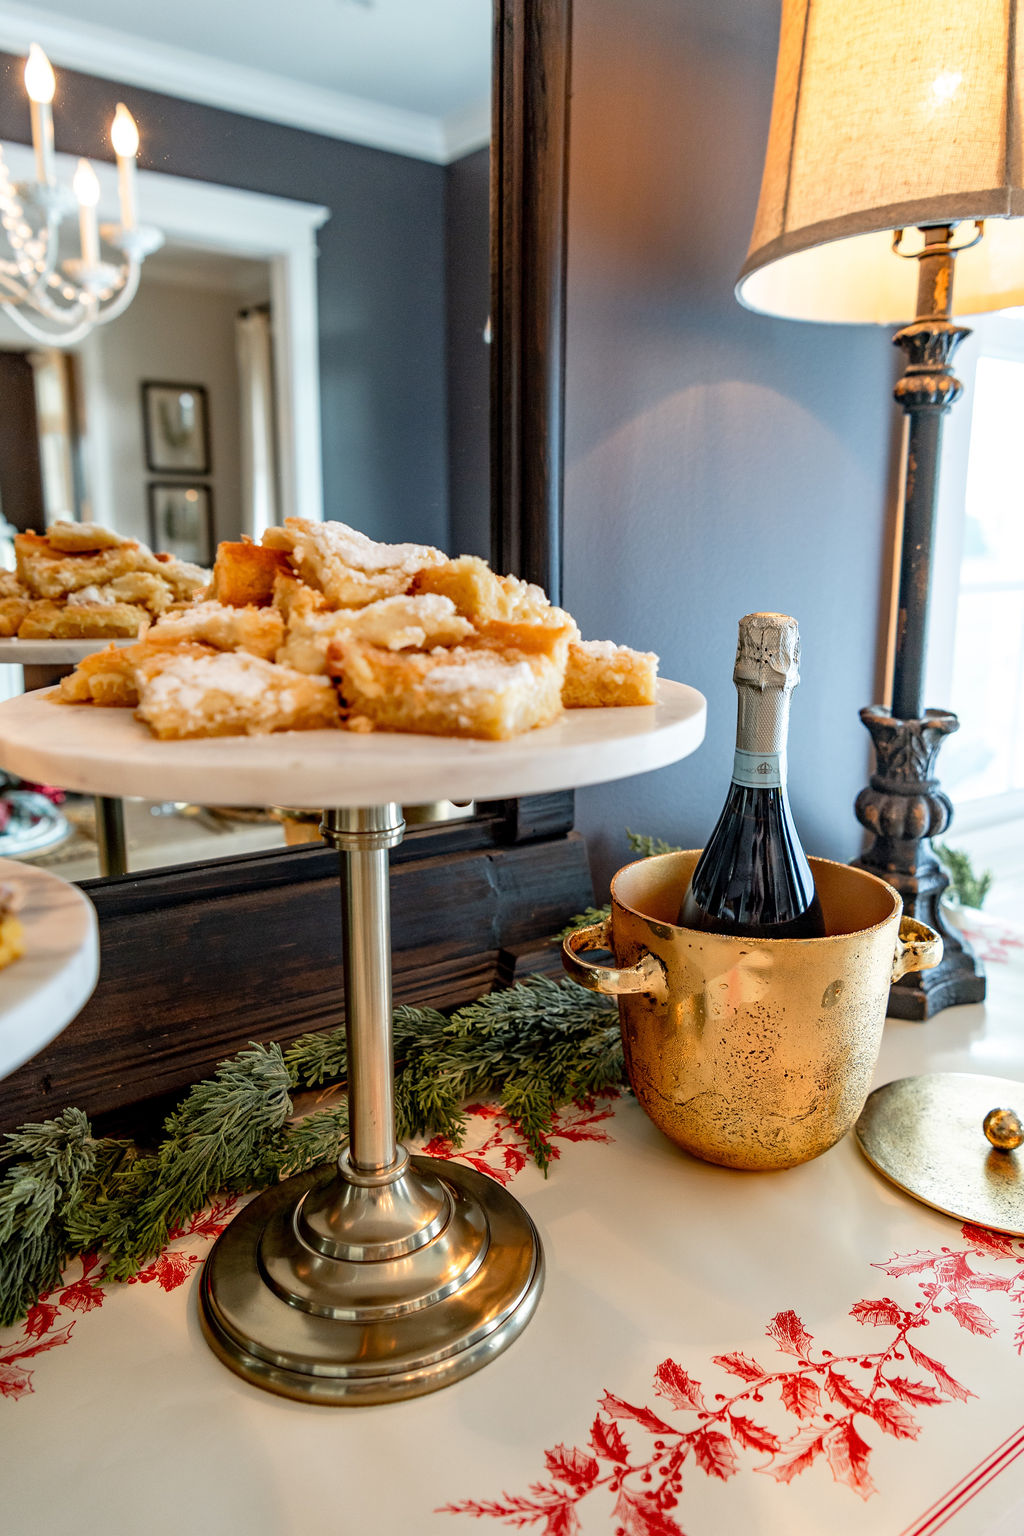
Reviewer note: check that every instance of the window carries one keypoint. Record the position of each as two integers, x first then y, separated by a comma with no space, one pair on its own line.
976,625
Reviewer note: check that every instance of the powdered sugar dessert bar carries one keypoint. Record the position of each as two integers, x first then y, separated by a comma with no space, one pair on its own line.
322,626
600,673
223,693
349,568
12,934
464,691
395,623
82,621
79,581
260,631
479,594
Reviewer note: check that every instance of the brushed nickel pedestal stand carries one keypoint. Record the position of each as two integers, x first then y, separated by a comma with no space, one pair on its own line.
392,1275
387,1276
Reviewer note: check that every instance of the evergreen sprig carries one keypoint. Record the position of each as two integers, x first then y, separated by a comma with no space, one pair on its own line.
966,887
43,1166
534,1047
647,847
221,1137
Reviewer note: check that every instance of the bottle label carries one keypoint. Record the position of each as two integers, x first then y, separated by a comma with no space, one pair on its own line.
759,770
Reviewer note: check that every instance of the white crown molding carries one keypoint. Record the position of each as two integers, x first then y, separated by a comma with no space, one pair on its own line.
114,55
466,131
194,212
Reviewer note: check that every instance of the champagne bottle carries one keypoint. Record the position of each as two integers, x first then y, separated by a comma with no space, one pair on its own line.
753,879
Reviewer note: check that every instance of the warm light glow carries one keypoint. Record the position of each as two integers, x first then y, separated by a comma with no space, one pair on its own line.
878,125
124,135
39,81
86,185
946,85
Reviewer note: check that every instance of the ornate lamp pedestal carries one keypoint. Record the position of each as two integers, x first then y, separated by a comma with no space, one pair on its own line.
904,807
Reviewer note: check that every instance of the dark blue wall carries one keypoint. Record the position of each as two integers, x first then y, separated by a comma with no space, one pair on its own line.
716,461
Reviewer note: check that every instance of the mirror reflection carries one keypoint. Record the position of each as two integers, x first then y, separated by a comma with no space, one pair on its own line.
320,354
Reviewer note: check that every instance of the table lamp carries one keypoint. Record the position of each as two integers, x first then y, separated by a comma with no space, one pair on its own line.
894,159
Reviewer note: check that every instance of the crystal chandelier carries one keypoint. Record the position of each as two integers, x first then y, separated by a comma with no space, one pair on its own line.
58,299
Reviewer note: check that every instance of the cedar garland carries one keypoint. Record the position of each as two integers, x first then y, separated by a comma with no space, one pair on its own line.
532,1047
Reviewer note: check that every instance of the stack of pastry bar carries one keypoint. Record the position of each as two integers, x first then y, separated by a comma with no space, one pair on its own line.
79,581
323,626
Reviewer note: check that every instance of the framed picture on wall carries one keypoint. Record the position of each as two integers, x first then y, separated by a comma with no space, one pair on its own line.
181,520
176,423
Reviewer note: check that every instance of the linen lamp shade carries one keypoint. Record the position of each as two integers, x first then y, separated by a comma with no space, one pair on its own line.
889,114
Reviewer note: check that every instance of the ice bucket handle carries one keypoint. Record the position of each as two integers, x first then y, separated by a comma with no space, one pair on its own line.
647,975
918,948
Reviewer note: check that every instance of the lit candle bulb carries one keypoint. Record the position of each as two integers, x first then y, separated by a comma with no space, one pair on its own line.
87,192
124,136
40,85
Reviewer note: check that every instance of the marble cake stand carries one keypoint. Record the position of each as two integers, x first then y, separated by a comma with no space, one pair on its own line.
42,992
51,653
387,1276
41,657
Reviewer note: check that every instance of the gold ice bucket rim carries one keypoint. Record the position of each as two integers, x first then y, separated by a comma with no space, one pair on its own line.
689,1044
815,863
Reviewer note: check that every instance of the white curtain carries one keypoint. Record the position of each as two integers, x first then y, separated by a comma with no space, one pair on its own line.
254,341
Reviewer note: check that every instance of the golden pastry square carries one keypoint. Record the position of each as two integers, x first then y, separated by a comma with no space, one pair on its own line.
244,574
12,938
83,621
12,611
229,693
482,596
347,566
518,639
257,630
106,677
460,692
52,573
292,596
139,587
76,538
185,580
601,674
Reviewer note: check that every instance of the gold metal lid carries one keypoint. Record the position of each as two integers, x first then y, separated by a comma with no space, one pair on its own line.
928,1135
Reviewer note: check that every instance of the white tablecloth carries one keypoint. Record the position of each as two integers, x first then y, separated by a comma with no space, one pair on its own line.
715,1352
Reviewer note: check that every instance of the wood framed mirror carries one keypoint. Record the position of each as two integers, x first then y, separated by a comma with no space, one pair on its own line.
186,951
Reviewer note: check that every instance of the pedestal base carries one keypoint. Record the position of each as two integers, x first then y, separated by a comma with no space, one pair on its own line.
311,1293
904,808
958,979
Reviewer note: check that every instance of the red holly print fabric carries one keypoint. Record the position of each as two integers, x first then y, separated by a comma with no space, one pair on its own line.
51,1322
779,1417
498,1147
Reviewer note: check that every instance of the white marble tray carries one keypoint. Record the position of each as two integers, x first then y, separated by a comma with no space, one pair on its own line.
109,752
43,991
55,653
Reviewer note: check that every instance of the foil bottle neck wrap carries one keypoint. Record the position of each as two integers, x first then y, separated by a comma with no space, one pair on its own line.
762,725
766,672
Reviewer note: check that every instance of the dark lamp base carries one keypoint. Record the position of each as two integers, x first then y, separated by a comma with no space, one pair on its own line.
904,808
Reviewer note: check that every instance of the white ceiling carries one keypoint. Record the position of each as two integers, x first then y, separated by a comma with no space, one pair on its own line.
407,75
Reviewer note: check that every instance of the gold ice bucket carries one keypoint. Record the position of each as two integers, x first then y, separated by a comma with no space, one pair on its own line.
753,1053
